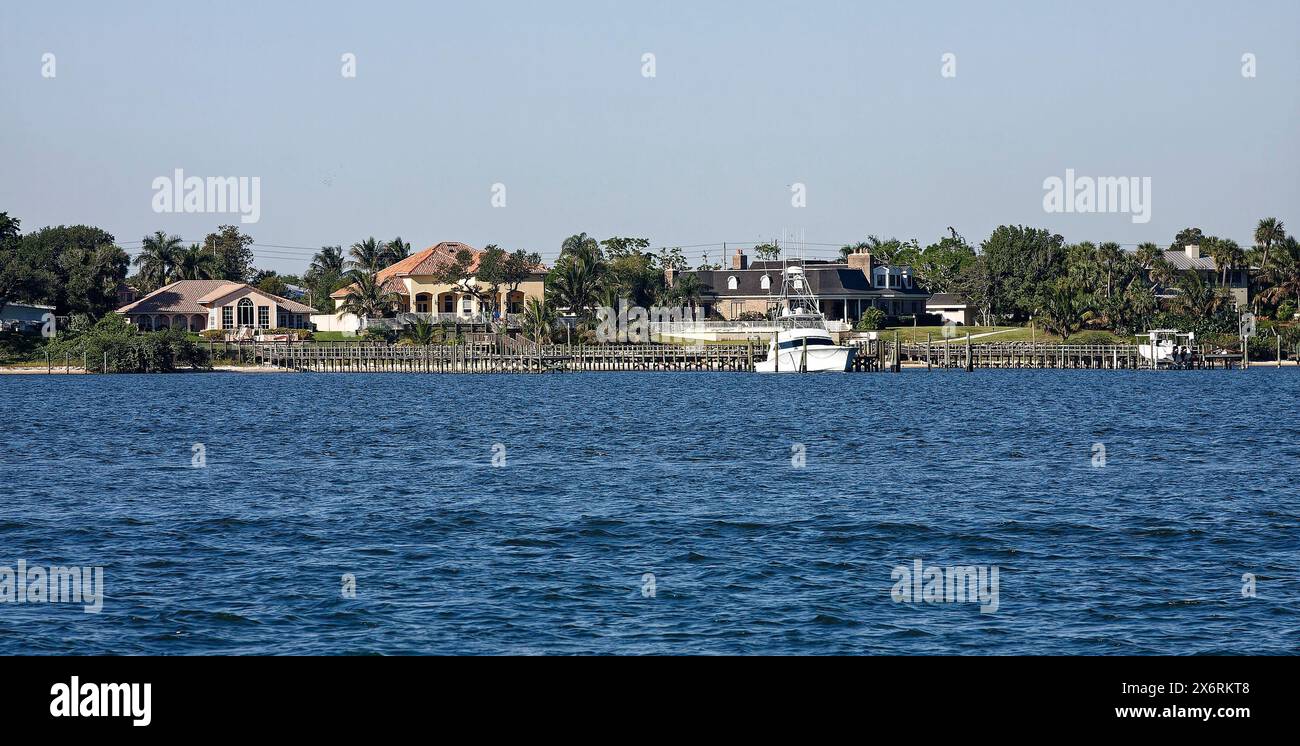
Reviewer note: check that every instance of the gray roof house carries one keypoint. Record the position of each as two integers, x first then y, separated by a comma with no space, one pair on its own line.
844,289
1190,259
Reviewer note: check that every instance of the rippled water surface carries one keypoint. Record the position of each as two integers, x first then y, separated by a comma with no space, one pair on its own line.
607,477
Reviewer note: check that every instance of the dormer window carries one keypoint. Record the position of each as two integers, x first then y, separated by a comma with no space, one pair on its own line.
731,282
765,282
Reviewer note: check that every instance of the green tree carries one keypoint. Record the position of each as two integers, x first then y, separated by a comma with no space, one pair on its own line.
940,265
234,250
75,268
396,250
157,260
1023,263
324,276
196,264
368,256
367,298
1283,273
419,332
538,319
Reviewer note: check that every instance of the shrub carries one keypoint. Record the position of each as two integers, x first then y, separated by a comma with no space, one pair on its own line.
872,319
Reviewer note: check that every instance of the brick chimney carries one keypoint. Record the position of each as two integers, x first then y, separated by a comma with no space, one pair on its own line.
739,260
670,276
861,259
1193,250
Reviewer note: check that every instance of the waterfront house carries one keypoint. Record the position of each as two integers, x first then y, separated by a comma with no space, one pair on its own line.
951,307
414,281
1190,259
198,305
844,288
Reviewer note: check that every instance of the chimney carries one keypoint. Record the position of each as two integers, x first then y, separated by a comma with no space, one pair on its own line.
670,276
739,260
1193,251
861,259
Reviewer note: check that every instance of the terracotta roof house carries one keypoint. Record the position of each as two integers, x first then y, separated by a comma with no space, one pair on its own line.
844,289
198,305
413,279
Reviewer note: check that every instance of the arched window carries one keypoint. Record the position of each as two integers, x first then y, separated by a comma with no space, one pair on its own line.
765,282
731,282
245,312
422,302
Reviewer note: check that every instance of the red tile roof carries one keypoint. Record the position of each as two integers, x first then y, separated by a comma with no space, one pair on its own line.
189,296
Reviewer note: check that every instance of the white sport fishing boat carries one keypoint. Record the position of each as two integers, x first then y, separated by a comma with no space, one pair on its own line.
801,342
1167,346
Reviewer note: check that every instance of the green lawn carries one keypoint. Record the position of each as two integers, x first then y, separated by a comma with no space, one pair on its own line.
334,337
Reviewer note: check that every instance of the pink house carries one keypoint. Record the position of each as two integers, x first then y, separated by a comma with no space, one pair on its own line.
197,305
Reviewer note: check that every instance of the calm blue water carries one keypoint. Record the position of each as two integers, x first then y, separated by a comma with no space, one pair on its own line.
687,476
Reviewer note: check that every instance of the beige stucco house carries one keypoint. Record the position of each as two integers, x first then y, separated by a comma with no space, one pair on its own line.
198,305
413,280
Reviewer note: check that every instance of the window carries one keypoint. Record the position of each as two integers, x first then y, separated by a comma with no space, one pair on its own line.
466,305
448,303
731,282
422,303
263,317
765,282
227,317
245,307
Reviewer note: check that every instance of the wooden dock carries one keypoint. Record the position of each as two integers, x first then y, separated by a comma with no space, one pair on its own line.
493,353
502,356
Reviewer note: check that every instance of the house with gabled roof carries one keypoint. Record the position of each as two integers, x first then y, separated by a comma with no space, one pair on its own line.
844,288
414,280
199,305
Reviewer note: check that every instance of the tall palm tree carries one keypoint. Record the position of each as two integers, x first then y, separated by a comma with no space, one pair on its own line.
366,296
1147,254
157,259
1109,257
1268,233
396,250
196,264
368,256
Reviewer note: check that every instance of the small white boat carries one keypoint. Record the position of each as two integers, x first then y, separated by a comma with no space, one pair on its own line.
802,343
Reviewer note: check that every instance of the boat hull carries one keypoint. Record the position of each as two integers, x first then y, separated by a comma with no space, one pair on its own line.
818,360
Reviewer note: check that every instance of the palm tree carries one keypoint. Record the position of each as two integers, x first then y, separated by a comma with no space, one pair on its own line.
1109,257
328,262
1147,254
576,282
1283,273
396,250
366,298
537,321
157,259
1197,299
1227,254
196,264
368,256
1270,232
1060,312
422,333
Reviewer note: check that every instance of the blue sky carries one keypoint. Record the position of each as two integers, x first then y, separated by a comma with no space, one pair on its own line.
748,98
